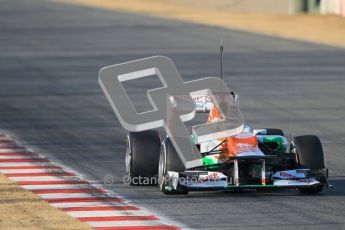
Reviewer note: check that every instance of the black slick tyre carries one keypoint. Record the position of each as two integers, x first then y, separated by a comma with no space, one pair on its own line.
310,155
169,161
142,156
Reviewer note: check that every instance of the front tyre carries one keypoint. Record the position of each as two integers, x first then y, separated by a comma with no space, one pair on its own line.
310,155
169,161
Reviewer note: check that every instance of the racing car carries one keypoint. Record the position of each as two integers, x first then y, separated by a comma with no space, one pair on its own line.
253,159
222,154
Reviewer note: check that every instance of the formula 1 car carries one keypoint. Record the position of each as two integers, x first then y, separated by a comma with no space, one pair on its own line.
253,159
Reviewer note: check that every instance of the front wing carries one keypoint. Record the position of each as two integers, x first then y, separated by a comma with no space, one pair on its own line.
210,180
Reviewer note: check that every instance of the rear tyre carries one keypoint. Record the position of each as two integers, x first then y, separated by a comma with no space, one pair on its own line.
169,161
142,156
310,155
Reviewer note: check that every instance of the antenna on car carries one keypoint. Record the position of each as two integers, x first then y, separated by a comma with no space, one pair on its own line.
221,65
221,59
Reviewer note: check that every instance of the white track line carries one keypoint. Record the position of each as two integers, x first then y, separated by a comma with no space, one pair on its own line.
57,186
19,164
34,158
4,138
44,178
10,145
16,150
16,157
78,214
73,195
52,170
85,204
124,223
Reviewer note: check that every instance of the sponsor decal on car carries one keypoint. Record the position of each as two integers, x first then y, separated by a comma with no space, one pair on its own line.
289,174
297,182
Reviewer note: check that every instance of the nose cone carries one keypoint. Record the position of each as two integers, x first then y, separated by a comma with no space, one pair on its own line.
244,144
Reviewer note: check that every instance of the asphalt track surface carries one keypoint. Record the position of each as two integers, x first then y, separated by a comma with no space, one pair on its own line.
50,54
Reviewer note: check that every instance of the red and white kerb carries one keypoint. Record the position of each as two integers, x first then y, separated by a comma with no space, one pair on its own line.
68,192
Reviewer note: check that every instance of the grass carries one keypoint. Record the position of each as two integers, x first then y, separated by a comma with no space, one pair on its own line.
21,209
